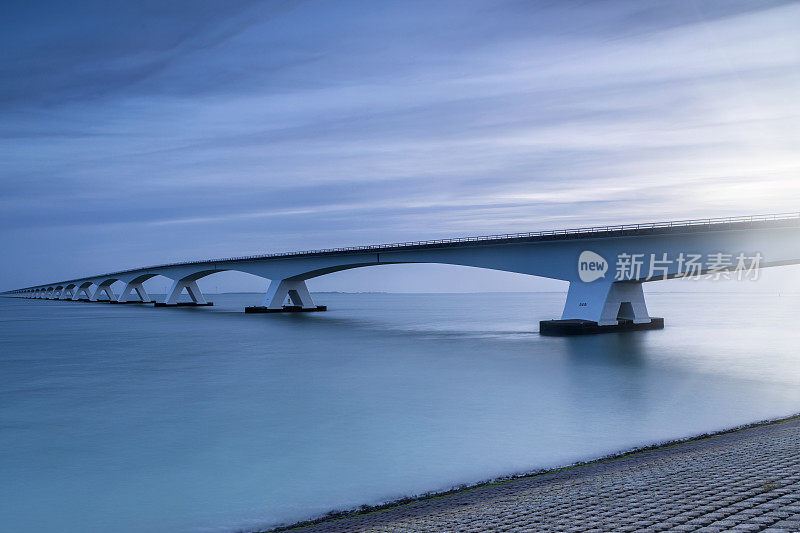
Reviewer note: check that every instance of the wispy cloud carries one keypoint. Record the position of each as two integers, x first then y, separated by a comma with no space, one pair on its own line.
216,128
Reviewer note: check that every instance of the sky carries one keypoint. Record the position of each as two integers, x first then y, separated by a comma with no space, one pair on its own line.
136,133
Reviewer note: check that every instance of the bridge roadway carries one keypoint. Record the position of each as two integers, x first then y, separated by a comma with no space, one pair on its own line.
605,266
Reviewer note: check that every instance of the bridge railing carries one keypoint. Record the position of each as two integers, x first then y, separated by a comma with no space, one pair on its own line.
529,234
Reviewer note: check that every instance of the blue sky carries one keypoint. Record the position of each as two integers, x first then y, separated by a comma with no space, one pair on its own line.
144,132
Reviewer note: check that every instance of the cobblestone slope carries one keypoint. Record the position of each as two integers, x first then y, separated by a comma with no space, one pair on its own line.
747,480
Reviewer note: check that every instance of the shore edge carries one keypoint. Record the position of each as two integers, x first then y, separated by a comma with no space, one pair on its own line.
367,509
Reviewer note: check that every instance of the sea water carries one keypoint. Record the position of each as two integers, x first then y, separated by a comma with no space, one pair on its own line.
134,418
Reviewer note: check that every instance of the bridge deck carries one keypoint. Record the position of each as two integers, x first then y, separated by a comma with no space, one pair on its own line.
591,232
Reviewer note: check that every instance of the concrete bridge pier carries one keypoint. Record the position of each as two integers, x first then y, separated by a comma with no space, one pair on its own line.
130,287
281,289
605,303
188,283
600,307
68,292
104,287
83,288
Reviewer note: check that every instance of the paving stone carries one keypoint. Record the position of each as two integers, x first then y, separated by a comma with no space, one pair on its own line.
747,480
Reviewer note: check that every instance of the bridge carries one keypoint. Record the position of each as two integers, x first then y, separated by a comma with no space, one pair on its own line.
605,266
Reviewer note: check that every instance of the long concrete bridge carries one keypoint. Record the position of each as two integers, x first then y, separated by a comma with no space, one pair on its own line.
605,266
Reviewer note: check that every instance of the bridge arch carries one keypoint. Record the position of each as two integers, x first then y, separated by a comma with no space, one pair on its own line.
187,281
68,291
83,288
136,284
104,287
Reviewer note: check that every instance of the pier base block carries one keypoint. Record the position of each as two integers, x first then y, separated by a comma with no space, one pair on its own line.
127,302
577,326
181,304
285,309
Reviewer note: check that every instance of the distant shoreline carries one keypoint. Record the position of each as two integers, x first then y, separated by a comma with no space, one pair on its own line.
434,495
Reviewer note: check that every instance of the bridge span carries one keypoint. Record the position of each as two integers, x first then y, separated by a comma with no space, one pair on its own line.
605,266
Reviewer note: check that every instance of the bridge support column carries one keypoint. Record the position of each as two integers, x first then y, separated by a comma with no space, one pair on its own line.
177,288
82,289
296,290
134,286
103,288
67,293
277,292
602,307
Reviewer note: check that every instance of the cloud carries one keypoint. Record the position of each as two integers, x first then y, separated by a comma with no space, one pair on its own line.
222,128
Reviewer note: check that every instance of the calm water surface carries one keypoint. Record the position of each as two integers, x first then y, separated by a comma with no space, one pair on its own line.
130,418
